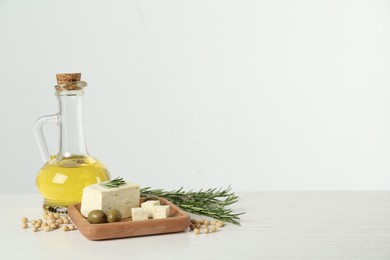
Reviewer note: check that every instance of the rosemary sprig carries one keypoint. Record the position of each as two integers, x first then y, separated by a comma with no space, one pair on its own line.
115,183
212,202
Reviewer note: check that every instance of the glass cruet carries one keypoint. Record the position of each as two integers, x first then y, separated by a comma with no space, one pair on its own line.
63,177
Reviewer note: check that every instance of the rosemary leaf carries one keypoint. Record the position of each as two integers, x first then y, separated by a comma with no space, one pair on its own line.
115,183
211,202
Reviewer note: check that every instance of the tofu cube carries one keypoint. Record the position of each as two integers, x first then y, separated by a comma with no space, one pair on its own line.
122,198
148,205
139,214
161,211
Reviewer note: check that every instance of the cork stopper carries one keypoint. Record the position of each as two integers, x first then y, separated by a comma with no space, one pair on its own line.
67,78
69,81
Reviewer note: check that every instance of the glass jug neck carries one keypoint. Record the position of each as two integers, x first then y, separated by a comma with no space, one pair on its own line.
70,115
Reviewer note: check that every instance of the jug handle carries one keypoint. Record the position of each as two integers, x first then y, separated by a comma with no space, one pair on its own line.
38,130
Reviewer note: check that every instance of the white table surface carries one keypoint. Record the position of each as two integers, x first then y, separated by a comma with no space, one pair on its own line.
277,225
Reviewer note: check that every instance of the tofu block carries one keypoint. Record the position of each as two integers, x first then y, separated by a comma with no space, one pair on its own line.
122,198
139,214
161,211
148,205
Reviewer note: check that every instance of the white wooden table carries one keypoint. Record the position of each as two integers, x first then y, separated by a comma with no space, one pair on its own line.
277,225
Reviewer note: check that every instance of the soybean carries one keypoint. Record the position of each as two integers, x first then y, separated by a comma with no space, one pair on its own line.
213,229
220,224
205,226
52,221
47,229
196,231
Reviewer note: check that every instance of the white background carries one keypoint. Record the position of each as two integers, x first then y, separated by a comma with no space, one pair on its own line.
263,95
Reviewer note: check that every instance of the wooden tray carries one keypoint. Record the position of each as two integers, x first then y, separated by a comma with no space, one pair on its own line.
177,221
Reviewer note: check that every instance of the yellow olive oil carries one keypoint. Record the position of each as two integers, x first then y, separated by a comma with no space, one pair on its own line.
61,181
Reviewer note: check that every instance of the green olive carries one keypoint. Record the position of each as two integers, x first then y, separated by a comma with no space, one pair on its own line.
97,216
114,215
